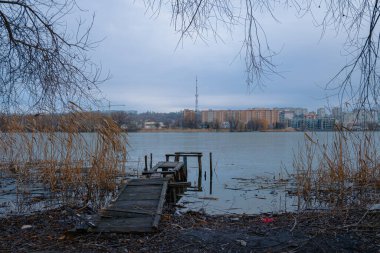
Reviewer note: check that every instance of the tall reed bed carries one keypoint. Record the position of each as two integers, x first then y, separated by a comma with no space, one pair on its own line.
77,158
343,172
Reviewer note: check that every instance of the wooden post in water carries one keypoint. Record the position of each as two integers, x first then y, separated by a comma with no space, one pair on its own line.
151,161
167,157
210,173
199,172
146,163
185,161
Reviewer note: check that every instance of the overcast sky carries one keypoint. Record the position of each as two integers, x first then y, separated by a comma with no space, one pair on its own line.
150,73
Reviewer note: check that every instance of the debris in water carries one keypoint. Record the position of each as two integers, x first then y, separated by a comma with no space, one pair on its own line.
208,198
267,220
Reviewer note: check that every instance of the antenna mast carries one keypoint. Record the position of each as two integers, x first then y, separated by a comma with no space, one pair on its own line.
196,94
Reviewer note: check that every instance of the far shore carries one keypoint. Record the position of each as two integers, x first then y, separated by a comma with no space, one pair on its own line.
205,130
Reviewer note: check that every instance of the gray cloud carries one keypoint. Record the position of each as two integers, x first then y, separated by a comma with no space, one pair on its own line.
149,71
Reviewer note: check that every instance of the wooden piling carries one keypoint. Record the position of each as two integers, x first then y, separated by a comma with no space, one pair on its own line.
185,161
146,163
210,173
151,161
210,166
199,172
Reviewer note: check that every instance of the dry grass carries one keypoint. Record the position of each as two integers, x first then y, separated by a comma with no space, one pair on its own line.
59,156
344,173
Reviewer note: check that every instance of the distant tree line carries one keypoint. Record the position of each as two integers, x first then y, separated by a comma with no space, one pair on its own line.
85,121
62,122
89,122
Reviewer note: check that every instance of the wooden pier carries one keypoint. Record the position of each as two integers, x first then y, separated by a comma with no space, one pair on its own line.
138,207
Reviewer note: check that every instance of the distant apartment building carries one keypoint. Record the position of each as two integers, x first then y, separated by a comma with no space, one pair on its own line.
286,116
189,115
153,125
230,118
299,111
337,113
301,119
321,112
190,118
297,118
313,124
360,119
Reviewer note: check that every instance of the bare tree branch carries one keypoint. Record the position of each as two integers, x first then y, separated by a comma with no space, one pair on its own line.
43,64
357,81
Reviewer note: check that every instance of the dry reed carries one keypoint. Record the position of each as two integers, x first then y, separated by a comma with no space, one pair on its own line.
76,158
342,173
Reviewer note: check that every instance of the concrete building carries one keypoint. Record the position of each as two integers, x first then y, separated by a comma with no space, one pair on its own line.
337,113
153,125
234,117
321,112
313,124
285,117
360,119
189,118
299,111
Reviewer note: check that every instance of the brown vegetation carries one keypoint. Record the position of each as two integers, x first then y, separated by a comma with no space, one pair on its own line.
343,173
53,154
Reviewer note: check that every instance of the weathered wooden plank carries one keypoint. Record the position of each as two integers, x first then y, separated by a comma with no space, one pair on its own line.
137,209
145,188
111,214
188,154
136,202
180,184
158,182
145,212
144,181
160,205
132,208
140,196
157,166
170,164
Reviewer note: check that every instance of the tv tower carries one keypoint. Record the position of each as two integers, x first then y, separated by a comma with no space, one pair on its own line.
196,94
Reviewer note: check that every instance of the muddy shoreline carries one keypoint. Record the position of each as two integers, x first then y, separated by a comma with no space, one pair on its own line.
314,231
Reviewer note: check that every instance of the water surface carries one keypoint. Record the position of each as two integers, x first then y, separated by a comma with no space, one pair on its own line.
245,165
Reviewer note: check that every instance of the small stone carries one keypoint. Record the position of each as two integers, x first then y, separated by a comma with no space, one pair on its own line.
26,227
242,242
235,219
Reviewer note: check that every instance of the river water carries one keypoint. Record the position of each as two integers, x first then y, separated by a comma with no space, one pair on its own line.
246,166
252,171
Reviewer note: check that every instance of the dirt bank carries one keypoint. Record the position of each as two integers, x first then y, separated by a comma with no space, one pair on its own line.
351,231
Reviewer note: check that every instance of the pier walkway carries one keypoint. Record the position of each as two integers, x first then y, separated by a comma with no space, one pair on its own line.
138,207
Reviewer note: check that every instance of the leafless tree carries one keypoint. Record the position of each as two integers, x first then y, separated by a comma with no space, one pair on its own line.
43,62
357,82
